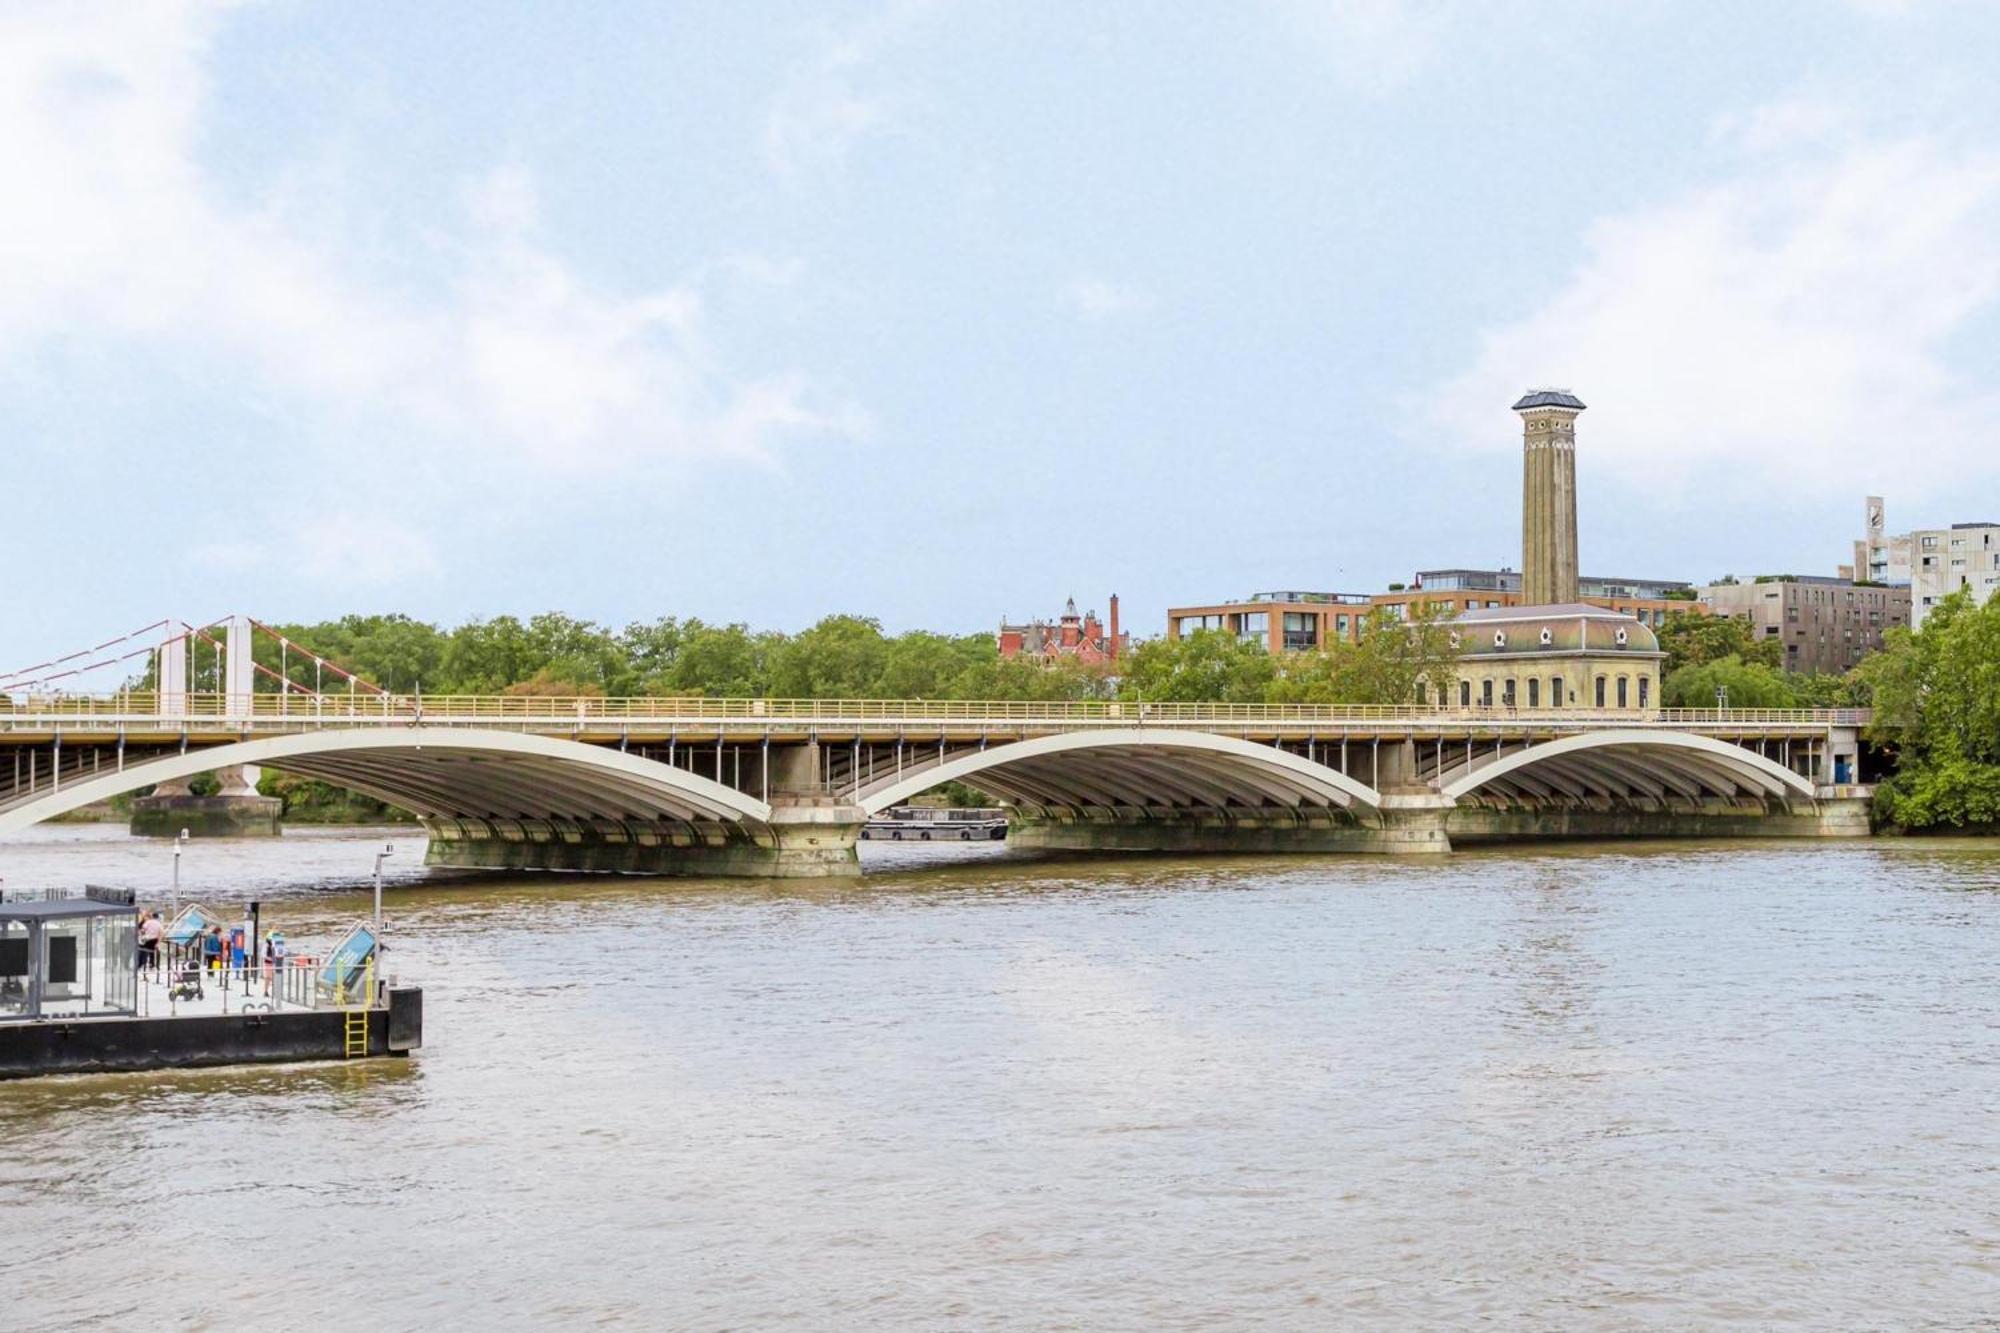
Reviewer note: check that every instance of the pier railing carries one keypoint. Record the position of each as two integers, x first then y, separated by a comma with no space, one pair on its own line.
296,984
298,711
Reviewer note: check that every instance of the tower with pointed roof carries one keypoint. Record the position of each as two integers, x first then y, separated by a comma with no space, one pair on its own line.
1548,496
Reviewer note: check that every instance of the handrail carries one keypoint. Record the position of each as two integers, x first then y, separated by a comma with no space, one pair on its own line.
297,711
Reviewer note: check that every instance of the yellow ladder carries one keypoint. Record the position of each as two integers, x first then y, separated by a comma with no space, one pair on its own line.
356,1016
357,1033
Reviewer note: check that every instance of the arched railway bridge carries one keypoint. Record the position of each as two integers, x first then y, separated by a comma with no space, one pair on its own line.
781,787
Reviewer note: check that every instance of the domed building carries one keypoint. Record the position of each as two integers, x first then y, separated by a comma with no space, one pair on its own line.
1563,656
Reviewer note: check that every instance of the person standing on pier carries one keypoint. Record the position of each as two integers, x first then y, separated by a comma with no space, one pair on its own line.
149,943
211,948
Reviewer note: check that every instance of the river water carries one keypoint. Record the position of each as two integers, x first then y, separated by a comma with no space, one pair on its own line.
1612,1086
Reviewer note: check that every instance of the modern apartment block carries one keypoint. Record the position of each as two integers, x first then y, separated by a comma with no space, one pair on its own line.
1281,621
1933,562
1587,585
1295,621
1878,557
1943,560
1825,624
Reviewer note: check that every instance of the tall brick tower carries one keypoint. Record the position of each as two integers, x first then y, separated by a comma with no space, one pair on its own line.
1548,496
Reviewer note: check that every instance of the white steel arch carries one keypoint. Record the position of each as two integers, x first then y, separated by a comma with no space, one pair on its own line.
1648,759
441,771
1125,764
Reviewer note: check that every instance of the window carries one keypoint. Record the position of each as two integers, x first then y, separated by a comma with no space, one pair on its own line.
1486,693
1555,691
1507,692
1301,630
1621,691
1644,681
1465,694
1534,692
1189,624
1600,691
1340,625
1255,625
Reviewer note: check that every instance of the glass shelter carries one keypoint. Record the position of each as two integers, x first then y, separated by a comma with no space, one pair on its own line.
68,958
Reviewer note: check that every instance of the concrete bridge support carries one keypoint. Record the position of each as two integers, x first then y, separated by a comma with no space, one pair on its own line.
1415,829
235,811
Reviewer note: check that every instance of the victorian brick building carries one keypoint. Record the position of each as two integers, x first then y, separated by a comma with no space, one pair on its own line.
1082,637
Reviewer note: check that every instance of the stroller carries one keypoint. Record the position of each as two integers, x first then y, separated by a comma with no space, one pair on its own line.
187,982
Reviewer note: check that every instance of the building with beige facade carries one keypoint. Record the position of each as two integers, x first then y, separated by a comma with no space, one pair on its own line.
1825,625
1945,560
1567,656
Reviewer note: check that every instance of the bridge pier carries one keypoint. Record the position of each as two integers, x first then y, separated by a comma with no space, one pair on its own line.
1415,829
236,811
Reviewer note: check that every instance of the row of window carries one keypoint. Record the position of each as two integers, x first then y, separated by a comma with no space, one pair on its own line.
1603,689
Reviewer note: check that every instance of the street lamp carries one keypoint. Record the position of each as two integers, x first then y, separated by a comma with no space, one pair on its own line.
180,841
388,850
1722,698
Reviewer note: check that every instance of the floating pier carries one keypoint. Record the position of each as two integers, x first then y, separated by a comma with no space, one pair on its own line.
74,999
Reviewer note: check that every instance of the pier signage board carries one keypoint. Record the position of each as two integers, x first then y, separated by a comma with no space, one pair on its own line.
347,962
191,924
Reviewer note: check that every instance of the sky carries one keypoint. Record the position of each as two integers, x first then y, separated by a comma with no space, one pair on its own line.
943,312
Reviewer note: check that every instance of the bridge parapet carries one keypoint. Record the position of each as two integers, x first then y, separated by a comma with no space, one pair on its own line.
137,712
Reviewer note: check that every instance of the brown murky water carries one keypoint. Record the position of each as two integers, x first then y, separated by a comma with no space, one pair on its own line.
1613,1086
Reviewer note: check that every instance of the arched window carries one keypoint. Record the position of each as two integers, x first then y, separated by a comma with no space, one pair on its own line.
1507,692
1644,681
1486,693
1534,692
1423,693
1600,691
1622,683
1555,691
1465,694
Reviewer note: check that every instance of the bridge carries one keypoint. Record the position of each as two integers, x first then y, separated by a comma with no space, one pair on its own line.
782,786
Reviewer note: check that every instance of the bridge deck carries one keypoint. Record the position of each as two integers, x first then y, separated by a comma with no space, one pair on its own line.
215,719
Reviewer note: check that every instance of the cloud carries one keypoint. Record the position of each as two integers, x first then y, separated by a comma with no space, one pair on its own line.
1814,321
1095,298
115,230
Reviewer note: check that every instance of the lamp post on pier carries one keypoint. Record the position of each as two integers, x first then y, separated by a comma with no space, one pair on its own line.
180,841
388,850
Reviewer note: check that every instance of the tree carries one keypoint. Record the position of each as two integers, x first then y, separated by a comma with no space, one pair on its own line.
841,657
1208,666
1749,685
1694,640
1936,698
1385,665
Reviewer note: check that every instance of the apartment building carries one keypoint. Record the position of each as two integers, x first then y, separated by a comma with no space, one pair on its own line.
1825,625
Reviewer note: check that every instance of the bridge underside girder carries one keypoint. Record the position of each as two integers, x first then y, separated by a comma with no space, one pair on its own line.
1168,777
1645,775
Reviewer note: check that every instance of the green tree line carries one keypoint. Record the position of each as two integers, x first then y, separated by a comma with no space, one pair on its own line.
1936,696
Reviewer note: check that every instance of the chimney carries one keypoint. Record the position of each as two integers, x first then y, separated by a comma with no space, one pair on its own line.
1113,650
1548,496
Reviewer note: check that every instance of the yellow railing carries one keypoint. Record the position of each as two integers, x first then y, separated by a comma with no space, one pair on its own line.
284,710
